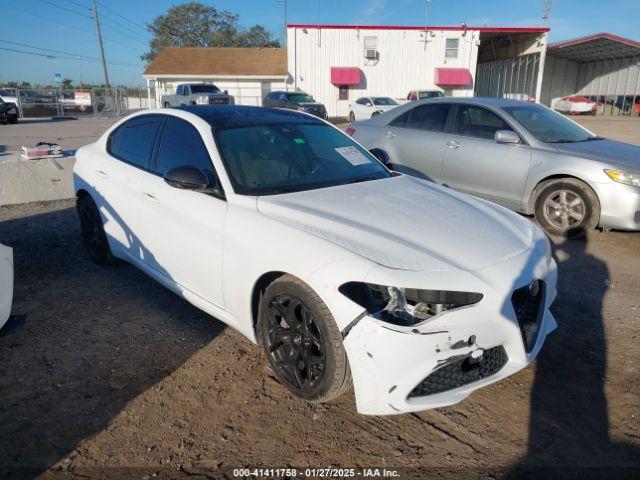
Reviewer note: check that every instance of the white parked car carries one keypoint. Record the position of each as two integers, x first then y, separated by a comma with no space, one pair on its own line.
367,107
6,283
286,229
575,106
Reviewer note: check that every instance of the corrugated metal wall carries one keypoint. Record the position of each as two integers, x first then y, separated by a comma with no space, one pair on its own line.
613,83
514,78
560,79
404,62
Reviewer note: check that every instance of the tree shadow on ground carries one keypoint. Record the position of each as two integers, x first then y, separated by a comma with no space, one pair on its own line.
92,339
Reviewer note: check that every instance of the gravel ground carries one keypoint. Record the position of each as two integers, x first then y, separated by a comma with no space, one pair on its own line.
105,374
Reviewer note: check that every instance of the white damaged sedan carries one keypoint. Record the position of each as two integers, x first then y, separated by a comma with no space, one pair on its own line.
6,283
286,229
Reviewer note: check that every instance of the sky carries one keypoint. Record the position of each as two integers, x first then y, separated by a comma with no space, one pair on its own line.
65,28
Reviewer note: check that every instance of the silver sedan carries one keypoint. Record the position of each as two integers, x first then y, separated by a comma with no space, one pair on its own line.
521,155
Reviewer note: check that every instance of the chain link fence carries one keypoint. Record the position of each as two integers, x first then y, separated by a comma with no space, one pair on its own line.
77,102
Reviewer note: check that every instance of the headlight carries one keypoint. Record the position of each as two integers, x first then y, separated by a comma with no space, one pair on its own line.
405,306
202,100
627,178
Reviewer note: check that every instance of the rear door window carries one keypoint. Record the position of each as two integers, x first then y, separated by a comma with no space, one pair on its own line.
430,118
182,145
478,122
133,142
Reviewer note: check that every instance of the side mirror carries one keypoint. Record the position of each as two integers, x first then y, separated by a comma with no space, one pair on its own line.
506,136
382,156
369,104
226,92
187,178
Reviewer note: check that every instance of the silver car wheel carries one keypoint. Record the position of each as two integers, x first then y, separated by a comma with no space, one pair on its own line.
564,209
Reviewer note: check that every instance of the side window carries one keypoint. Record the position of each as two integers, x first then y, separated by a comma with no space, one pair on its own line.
431,118
451,48
182,145
179,90
133,142
361,101
186,90
478,122
283,98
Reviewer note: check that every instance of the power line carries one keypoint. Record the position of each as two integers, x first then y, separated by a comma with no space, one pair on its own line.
126,27
65,8
79,4
67,55
121,16
61,24
121,32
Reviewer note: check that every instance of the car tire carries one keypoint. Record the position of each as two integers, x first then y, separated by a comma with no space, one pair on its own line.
352,117
566,207
166,105
93,236
302,342
13,121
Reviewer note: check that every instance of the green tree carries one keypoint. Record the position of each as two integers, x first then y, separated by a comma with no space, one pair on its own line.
197,25
67,83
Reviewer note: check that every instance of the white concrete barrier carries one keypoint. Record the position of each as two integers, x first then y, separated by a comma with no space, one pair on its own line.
26,181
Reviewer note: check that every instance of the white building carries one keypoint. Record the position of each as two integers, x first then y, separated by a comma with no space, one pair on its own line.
339,63
247,73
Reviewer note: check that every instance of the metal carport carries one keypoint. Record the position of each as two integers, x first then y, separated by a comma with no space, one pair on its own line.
603,67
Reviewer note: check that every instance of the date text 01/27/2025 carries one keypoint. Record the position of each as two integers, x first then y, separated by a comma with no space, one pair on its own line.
329,472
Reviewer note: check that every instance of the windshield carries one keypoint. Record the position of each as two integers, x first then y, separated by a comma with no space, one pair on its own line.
204,89
384,101
422,95
289,157
300,98
547,125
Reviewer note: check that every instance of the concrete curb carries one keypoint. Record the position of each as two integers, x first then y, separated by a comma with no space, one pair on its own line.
26,181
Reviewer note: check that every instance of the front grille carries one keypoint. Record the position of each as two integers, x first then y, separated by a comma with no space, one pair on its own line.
529,309
218,100
462,371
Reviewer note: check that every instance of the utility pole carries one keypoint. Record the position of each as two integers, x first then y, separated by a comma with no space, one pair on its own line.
547,12
104,62
284,2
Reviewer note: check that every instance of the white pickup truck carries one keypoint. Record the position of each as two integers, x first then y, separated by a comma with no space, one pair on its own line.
196,94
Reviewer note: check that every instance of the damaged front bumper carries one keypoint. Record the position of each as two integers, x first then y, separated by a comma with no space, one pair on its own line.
442,361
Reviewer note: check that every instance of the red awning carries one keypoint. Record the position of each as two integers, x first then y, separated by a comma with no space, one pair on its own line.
345,75
453,76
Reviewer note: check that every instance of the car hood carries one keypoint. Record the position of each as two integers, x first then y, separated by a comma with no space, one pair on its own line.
618,154
310,104
405,223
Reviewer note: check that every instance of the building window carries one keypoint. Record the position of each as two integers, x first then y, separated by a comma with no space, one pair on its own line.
451,48
343,92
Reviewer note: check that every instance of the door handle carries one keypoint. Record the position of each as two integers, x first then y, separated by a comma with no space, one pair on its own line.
453,144
150,197
390,135
101,174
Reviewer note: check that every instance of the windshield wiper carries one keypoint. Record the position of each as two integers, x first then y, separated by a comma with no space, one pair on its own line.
591,139
564,140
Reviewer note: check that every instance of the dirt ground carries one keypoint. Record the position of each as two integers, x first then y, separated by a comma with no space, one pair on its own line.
105,374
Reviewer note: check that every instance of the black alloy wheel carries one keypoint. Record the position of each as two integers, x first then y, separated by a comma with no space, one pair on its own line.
294,343
302,342
93,235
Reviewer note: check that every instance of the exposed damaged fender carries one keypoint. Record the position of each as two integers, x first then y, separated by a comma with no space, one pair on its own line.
6,283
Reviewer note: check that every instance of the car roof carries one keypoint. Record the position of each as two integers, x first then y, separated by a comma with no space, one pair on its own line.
236,116
487,101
